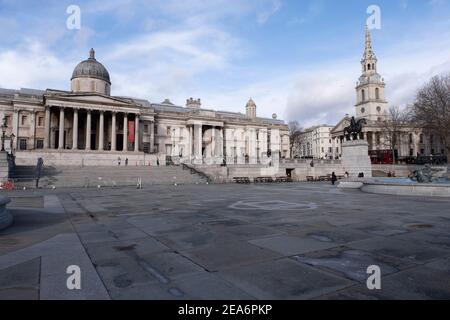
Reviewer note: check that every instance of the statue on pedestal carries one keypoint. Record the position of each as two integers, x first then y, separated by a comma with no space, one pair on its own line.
355,128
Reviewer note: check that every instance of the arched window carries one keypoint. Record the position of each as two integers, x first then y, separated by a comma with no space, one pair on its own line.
368,66
377,93
363,95
373,66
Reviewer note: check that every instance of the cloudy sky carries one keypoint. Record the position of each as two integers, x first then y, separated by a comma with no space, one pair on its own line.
299,58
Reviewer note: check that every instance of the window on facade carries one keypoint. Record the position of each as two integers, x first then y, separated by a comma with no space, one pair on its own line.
39,144
377,93
145,128
24,120
368,67
363,94
146,147
7,120
155,129
168,132
40,121
410,138
23,144
431,139
421,138
411,152
363,110
422,151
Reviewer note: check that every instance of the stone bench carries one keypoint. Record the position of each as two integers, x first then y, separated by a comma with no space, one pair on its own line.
245,180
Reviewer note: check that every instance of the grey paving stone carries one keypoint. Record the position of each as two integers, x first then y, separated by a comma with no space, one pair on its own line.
414,251
228,254
283,279
419,283
351,263
289,245
21,275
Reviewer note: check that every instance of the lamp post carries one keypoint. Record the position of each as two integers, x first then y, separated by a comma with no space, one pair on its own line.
3,127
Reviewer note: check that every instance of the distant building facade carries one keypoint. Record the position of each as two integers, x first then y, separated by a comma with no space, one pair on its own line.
315,143
371,104
88,120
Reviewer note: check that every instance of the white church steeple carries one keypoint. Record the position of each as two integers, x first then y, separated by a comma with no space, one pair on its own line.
370,100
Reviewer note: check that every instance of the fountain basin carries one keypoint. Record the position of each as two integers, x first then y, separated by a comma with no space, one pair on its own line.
407,187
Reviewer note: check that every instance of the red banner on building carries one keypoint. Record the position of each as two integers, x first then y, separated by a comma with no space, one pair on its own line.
130,131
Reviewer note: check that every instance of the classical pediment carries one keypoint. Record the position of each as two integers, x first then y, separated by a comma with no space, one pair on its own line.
86,98
341,125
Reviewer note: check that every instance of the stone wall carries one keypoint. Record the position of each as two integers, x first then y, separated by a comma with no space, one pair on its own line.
74,158
300,170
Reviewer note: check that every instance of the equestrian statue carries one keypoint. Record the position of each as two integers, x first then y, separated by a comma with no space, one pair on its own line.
355,128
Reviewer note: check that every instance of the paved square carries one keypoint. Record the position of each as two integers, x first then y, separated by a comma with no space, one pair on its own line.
292,241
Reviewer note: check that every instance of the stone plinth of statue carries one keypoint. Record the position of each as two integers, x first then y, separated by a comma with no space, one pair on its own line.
6,218
3,166
355,158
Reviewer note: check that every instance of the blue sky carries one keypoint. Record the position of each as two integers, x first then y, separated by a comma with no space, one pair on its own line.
299,59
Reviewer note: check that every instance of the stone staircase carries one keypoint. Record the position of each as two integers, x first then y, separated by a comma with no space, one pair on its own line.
105,176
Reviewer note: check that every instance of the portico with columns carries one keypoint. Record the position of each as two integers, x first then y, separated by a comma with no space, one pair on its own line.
88,124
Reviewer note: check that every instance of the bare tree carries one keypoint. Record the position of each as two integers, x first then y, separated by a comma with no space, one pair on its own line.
394,128
295,131
431,109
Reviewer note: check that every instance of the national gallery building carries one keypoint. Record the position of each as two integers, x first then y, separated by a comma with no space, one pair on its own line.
88,124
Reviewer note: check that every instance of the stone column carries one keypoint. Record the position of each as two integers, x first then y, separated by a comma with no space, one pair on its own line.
191,132
101,132
61,129
333,148
75,130
136,133
252,146
47,128
88,130
113,132
15,128
33,128
125,132
198,143
152,136
213,143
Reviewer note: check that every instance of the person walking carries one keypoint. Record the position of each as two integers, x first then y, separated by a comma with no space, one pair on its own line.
126,162
119,161
333,178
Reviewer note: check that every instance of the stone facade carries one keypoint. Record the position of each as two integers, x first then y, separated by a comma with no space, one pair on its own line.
88,120
371,105
315,143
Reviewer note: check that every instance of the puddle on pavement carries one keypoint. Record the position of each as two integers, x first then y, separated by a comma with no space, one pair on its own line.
320,237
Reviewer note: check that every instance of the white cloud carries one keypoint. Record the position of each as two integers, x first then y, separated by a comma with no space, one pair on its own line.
33,66
265,16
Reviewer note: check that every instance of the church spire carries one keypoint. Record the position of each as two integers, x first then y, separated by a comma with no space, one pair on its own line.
369,60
